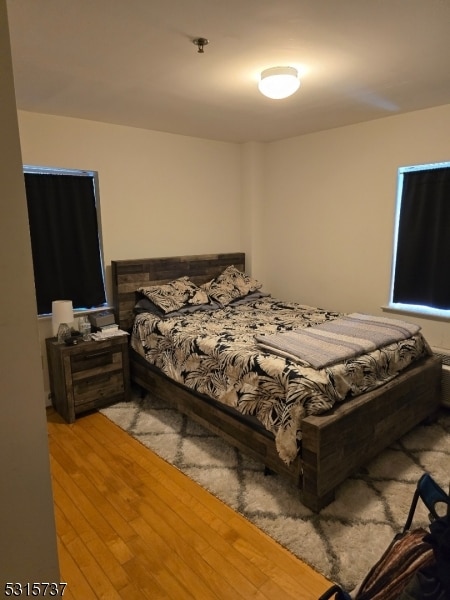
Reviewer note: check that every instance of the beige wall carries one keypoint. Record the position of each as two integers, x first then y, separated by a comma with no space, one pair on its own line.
329,211
160,194
28,539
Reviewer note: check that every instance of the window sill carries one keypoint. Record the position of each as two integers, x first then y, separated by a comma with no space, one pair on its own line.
78,312
422,312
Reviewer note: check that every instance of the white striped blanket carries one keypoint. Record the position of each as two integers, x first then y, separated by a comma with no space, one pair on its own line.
337,340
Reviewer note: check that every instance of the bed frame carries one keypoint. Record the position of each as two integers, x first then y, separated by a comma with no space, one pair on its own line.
334,445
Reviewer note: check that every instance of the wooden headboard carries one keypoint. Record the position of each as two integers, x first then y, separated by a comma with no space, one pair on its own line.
128,275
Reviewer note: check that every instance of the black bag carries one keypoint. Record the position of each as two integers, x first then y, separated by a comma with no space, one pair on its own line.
415,565
433,582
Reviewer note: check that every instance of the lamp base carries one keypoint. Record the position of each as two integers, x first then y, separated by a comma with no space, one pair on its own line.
63,333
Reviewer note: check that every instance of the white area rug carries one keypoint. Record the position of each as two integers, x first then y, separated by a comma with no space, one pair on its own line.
344,540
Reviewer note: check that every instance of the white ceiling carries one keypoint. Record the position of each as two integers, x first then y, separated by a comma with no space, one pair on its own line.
132,62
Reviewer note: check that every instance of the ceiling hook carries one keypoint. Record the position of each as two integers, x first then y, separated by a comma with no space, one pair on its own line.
200,43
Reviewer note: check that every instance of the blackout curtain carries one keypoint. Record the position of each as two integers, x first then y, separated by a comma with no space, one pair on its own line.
64,238
423,246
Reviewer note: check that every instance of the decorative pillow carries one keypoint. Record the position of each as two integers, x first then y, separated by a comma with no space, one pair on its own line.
175,294
230,285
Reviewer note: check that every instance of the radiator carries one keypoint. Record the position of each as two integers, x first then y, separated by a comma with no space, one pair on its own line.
444,355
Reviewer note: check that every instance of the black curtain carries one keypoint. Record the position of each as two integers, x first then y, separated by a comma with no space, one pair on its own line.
423,246
64,239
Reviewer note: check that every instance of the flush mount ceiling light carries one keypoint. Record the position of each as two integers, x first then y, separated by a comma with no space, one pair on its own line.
279,82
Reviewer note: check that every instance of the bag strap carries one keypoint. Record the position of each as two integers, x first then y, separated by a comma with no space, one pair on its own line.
335,592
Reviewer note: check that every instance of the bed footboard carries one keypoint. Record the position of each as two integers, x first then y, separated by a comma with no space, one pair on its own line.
337,443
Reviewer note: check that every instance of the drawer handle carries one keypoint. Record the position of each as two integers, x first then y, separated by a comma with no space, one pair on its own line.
95,355
104,379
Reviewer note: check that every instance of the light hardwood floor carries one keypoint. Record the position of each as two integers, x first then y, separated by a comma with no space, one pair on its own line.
130,525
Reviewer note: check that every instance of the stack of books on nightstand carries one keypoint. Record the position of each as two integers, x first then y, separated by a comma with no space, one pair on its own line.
111,327
104,326
107,332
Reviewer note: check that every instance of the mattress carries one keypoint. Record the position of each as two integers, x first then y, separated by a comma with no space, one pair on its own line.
215,353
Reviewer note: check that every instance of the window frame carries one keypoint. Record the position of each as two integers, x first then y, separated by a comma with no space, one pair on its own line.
45,170
410,308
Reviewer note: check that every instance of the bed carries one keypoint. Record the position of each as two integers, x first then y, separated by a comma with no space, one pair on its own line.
334,444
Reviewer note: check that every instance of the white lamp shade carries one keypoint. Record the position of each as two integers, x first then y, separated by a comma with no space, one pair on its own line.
279,82
62,312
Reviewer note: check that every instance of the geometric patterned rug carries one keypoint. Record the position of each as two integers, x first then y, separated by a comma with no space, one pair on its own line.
344,540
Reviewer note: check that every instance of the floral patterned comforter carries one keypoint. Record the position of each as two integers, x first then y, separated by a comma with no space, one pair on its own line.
215,353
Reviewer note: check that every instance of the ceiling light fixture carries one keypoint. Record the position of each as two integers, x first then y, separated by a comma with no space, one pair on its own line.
279,82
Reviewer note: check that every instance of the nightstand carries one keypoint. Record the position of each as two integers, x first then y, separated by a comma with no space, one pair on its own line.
88,375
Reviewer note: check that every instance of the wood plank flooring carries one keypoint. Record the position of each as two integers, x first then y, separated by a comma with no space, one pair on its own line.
130,525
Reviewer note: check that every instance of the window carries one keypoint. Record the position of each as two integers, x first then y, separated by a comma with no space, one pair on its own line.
421,263
63,214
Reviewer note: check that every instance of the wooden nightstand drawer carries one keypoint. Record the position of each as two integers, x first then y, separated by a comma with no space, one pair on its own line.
94,389
88,375
95,361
